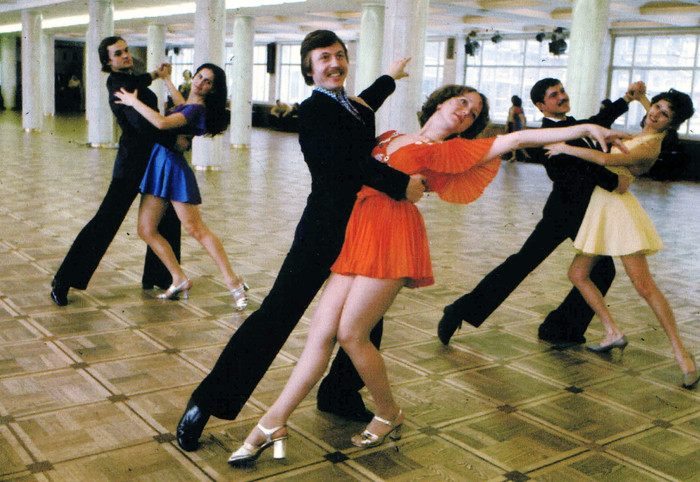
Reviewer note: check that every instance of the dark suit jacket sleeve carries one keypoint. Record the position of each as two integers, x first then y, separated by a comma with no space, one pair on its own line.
377,174
337,149
378,92
565,169
127,116
602,176
609,114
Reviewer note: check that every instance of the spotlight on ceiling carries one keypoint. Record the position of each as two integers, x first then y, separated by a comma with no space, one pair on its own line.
471,47
496,38
558,45
540,36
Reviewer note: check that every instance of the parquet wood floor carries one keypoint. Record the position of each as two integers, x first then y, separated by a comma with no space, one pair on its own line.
92,392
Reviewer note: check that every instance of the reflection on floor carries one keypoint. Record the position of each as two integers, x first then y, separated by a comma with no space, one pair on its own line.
93,391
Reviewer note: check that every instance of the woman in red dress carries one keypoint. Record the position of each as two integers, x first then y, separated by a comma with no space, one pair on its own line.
386,248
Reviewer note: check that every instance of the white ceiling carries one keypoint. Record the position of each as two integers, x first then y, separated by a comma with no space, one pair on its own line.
446,17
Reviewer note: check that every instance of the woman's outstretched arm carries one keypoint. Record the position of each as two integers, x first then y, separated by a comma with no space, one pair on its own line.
642,155
164,73
542,137
161,122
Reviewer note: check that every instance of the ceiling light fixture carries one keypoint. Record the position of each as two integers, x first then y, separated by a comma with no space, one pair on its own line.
151,12
558,45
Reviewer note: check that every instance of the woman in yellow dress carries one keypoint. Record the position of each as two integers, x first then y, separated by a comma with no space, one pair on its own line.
616,225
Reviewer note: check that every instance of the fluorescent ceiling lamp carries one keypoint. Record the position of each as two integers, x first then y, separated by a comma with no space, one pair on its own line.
11,28
66,21
231,4
163,11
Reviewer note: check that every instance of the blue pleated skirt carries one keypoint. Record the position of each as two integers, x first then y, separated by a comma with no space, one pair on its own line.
169,176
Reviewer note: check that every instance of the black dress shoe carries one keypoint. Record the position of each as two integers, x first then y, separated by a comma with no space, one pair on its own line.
147,285
357,412
554,333
59,293
191,426
448,325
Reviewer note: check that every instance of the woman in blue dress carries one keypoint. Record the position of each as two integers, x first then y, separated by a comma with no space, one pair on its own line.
169,177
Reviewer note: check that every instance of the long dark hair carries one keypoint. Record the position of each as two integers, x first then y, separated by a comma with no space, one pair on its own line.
217,117
446,93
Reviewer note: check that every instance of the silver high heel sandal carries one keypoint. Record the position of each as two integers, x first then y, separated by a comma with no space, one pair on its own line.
249,453
173,291
240,296
367,439
691,378
620,343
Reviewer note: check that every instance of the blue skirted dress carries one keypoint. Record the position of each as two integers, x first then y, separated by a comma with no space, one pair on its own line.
169,175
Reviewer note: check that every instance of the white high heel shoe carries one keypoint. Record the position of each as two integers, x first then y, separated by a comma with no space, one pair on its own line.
240,295
367,439
249,453
173,291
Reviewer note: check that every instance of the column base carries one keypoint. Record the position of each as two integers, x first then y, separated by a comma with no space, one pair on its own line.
102,145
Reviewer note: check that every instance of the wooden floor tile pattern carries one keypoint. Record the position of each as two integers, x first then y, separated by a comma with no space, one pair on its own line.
93,391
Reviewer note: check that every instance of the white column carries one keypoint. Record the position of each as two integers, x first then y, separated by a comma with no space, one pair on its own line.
155,55
48,74
352,68
449,72
99,115
405,27
209,46
585,76
32,108
369,54
460,59
8,46
272,92
242,80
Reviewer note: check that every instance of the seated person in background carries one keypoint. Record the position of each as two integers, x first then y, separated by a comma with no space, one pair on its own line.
279,110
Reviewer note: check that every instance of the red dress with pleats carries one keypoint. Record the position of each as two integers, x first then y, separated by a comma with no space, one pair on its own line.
385,238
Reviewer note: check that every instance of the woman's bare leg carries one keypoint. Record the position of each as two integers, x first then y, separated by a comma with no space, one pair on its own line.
367,301
191,219
637,269
151,210
580,276
314,359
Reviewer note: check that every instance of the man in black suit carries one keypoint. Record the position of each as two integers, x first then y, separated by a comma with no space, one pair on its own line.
337,136
135,144
574,181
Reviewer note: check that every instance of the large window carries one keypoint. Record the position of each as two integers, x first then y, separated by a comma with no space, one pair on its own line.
511,67
261,79
434,68
661,62
181,59
292,87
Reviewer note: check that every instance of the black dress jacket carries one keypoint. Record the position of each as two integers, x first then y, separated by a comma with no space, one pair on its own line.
337,149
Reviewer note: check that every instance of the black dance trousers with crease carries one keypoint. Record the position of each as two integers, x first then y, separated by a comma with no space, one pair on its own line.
475,307
254,346
93,240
